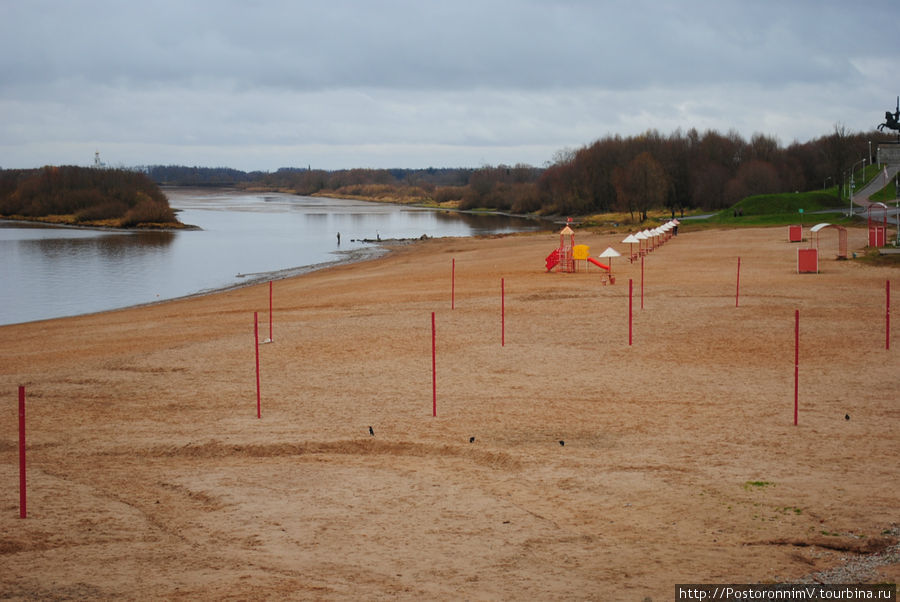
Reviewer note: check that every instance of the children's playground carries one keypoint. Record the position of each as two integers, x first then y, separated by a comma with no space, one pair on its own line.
571,258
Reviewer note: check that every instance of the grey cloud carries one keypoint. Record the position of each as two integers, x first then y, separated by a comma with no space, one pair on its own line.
470,79
432,45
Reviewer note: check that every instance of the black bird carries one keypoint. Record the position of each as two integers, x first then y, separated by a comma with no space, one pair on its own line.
371,432
471,439
561,442
846,416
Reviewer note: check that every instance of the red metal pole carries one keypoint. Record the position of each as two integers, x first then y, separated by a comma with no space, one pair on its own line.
642,283
256,346
270,312
737,294
630,301
796,363
453,285
22,510
502,313
433,368
887,314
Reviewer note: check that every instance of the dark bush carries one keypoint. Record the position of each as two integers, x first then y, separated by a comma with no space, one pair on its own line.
103,211
443,194
148,211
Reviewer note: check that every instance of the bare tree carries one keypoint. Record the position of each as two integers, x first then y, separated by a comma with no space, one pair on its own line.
647,183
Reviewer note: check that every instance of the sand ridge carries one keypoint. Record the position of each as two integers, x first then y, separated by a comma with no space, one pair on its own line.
150,475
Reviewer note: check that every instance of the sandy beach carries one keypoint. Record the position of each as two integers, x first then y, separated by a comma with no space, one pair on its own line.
563,464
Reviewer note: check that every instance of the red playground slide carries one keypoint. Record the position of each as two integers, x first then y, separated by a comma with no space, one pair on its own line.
595,262
552,259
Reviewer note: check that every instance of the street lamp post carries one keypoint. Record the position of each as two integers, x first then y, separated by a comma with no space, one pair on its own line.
863,175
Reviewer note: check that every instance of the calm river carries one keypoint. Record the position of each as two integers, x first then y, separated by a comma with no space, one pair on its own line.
55,272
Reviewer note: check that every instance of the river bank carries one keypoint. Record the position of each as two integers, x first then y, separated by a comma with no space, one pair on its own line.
564,463
69,221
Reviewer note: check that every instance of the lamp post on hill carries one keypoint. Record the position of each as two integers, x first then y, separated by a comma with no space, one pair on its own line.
863,175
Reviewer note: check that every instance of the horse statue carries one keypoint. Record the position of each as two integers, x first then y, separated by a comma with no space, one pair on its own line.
891,120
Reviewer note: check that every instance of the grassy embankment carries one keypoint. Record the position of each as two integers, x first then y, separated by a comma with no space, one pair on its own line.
386,193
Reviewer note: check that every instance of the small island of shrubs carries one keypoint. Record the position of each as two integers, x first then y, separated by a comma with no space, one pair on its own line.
83,196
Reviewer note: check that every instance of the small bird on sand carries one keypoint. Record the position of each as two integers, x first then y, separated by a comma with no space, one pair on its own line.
471,439
562,443
371,432
846,416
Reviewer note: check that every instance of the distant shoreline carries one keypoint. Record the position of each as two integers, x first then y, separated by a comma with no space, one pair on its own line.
451,207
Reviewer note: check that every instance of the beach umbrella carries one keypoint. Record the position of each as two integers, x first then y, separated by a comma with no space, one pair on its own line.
664,232
631,239
642,235
610,252
669,226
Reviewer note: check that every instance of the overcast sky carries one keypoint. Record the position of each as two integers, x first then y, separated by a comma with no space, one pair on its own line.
263,84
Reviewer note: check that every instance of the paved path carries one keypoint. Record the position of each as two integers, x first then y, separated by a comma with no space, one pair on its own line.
861,201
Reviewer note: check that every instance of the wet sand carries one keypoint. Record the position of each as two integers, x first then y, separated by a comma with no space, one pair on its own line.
150,475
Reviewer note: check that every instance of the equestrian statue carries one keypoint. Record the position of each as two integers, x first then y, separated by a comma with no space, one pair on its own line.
892,120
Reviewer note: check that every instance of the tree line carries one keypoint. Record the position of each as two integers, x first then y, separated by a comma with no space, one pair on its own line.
84,195
633,174
708,171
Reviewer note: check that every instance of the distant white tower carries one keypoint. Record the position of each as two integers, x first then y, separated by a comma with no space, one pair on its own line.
98,164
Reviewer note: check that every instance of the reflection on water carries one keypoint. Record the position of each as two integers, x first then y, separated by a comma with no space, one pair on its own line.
51,272
111,246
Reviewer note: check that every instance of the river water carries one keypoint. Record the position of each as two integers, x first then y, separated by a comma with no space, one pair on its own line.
48,272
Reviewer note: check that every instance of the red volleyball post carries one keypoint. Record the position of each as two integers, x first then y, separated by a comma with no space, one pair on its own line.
630,300
22,511
270,312
737,293
887,314
502,313
256,346
433,368
453,284
796,362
